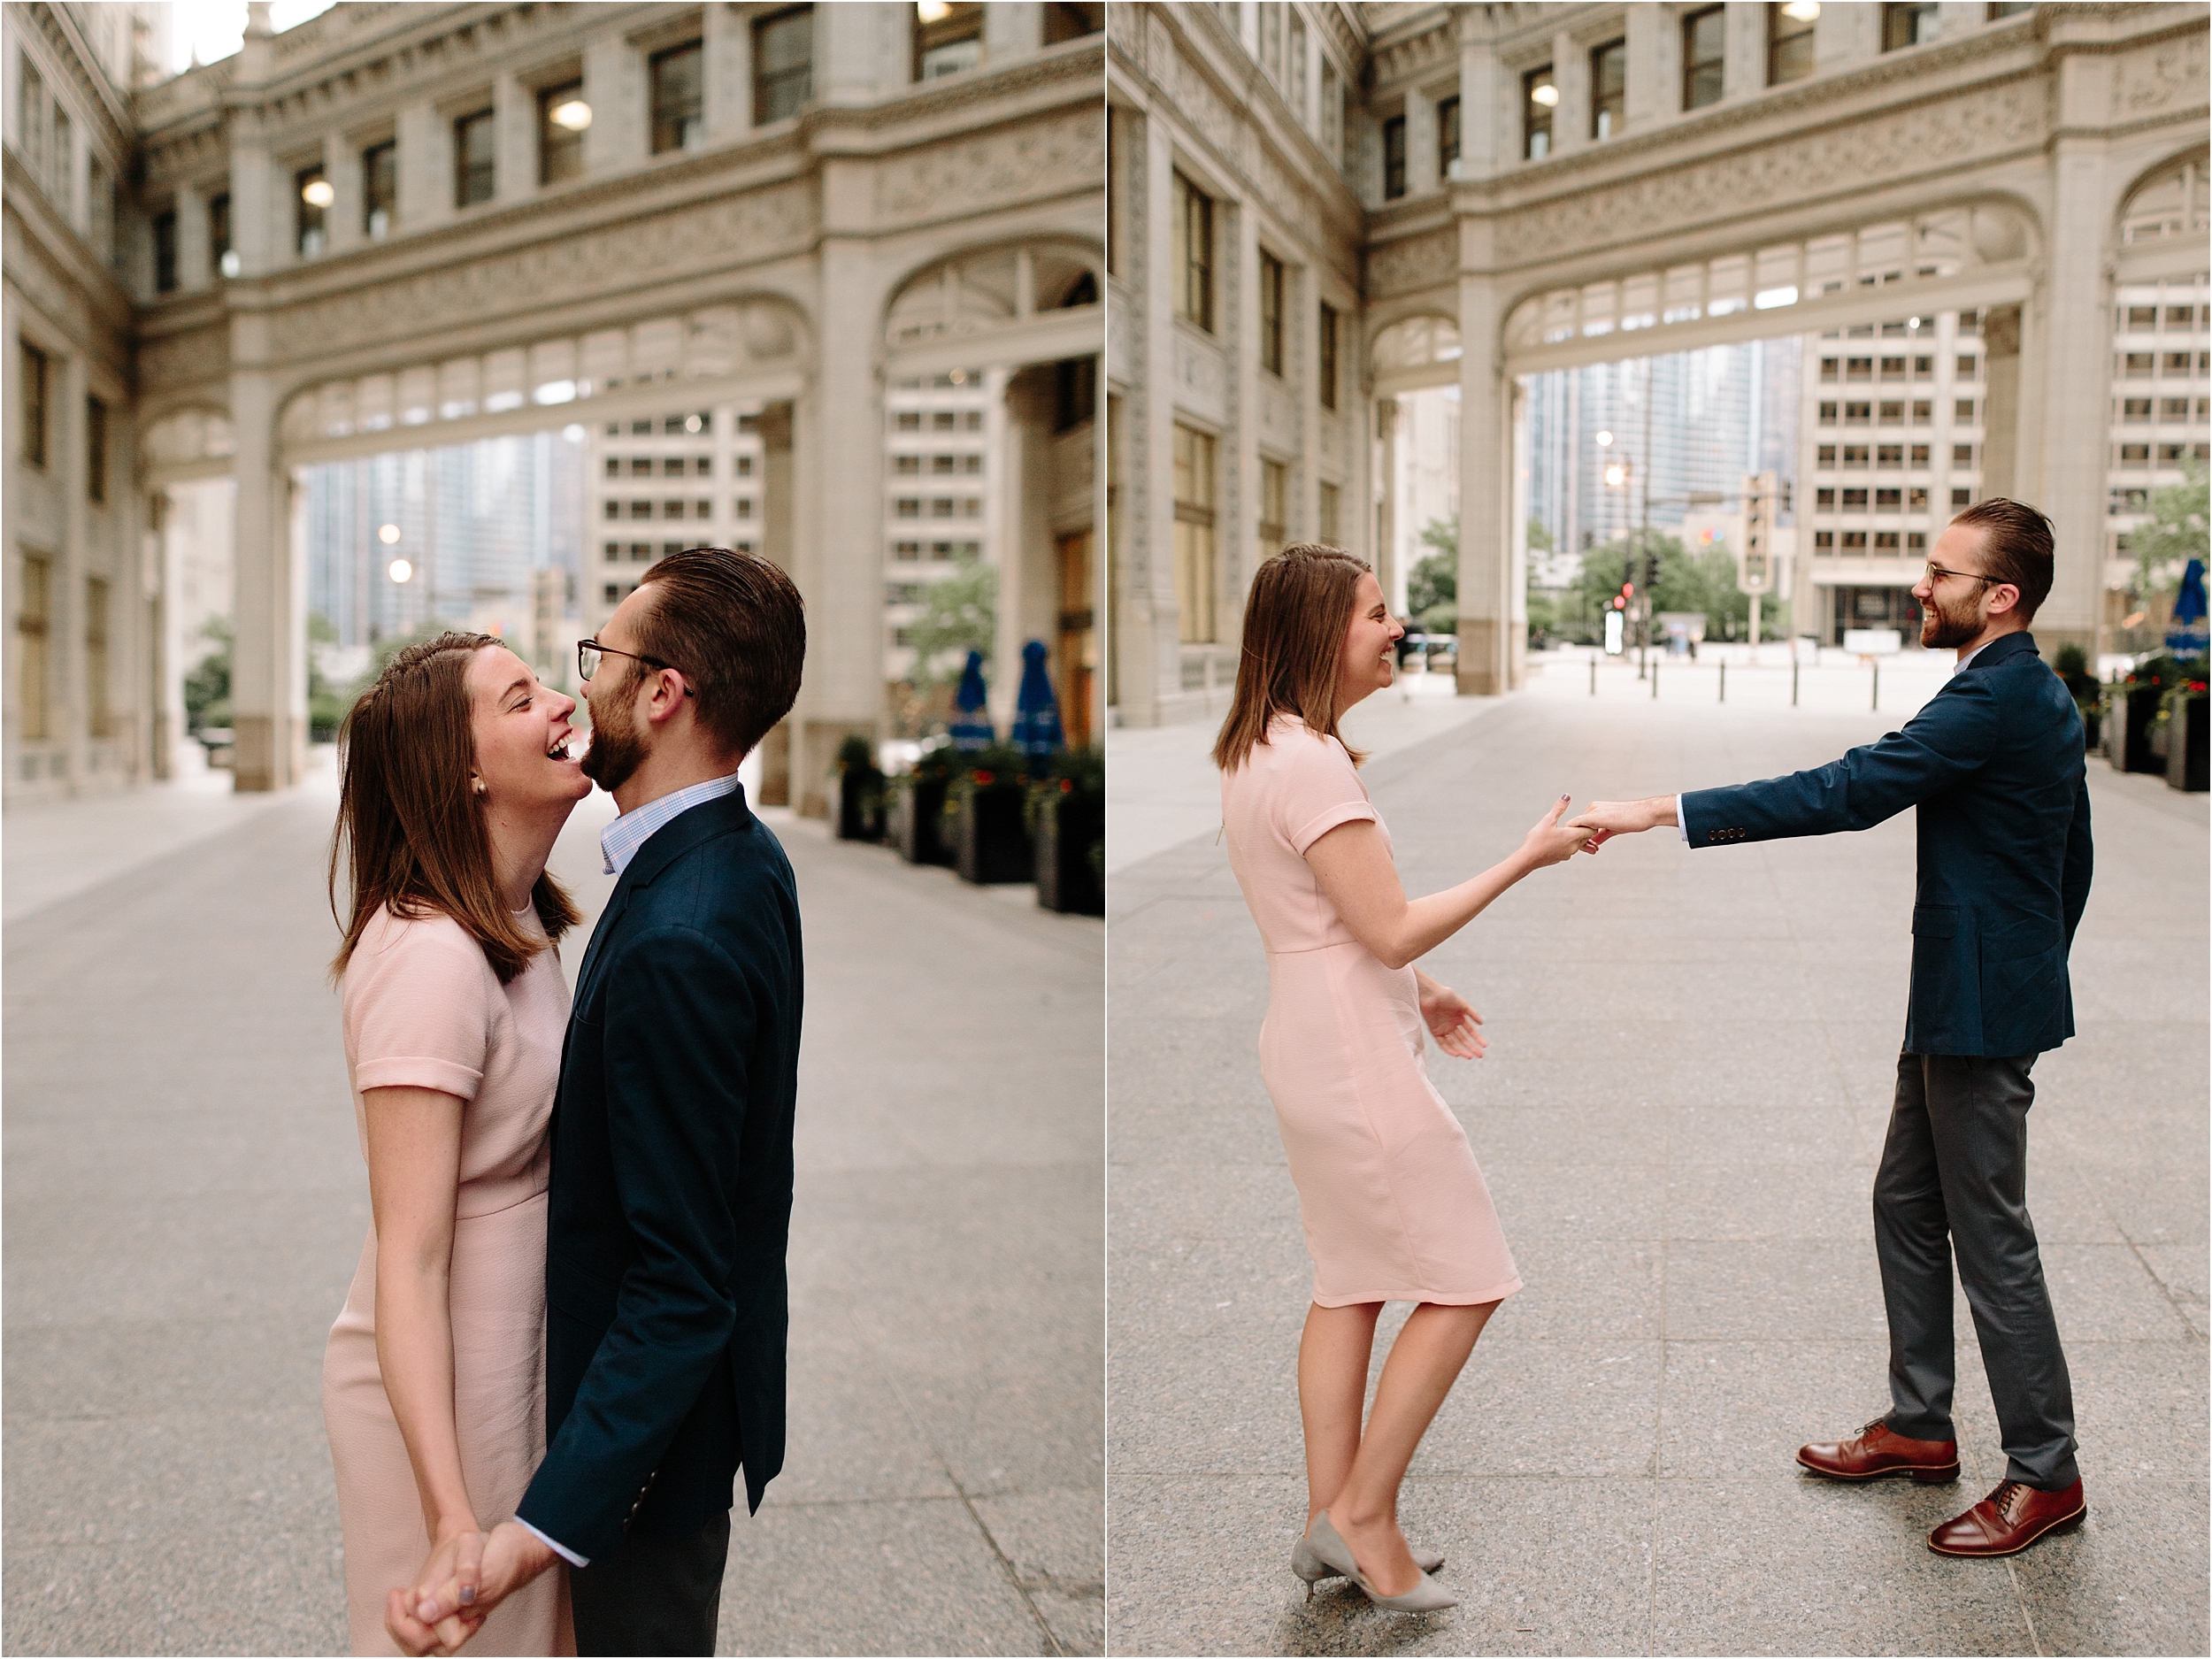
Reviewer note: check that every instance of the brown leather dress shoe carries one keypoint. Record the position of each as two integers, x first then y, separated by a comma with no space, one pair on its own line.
2008,1520
1875,1451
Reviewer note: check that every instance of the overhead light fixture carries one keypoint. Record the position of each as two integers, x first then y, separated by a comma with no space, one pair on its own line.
932,10
399,570
1546,95
575,115
692,423
317,193
1803,11
1616,475
1605,440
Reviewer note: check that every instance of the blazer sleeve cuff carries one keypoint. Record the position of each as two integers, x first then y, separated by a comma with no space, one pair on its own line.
553,1544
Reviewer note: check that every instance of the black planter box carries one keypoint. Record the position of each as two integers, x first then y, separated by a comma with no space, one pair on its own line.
860,805
2133,713
914,814
1066,829
990,844
2186,751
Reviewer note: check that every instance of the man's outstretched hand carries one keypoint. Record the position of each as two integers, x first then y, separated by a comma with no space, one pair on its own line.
1609,819
460,1583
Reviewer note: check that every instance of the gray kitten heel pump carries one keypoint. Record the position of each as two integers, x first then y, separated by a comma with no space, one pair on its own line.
1310,1567
1328,1545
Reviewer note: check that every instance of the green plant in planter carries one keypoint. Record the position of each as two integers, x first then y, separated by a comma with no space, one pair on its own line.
2072,667
997,769
1071,771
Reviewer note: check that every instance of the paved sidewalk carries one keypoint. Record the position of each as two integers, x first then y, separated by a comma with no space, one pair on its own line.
1690,1071
185,1201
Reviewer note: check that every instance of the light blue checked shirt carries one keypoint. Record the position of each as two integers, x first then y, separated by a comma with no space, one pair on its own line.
619,841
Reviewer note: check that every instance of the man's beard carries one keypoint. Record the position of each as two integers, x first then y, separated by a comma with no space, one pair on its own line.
615,750
1940,630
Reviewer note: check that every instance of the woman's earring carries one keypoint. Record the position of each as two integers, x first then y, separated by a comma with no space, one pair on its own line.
478,784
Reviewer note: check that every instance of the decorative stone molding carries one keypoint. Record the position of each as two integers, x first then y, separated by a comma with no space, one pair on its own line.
1416,54
716,235
170,362
1415,262
995,170
2156,78
1933,138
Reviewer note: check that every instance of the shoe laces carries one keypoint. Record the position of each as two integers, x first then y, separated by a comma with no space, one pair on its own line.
2004,1499
1878,1422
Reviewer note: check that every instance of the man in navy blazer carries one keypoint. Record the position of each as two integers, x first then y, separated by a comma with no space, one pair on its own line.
1994,763
670,1203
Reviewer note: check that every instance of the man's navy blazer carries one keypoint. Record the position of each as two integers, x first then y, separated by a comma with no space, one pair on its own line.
670,1207
1994,764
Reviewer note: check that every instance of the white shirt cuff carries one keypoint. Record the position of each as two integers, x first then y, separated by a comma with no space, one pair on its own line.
555,1545
1680,823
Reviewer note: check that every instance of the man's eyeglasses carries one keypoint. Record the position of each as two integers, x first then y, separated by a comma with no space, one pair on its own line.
589,651
1936,574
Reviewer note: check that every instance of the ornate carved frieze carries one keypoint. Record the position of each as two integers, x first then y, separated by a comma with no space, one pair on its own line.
716,235
1412,263
172,362
999,169
1933,138
1417,54
2168,75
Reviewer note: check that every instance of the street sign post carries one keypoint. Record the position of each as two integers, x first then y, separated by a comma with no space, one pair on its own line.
1754,541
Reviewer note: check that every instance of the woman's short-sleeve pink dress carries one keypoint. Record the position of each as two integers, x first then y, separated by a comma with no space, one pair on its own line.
424,1009
1394,1204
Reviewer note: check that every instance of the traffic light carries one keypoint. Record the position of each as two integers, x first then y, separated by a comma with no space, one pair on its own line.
1755,533
1651,570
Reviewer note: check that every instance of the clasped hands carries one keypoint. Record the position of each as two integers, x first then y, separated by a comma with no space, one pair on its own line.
465,1576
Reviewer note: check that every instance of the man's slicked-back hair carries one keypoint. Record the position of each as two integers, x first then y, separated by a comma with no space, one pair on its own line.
2015,548
734,625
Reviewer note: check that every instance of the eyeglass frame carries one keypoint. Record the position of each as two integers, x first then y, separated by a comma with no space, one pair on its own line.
584,675
1937,572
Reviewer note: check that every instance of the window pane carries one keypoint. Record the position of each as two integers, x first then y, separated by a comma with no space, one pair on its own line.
475,159
1609,88
1704,49
1328,375
95,450
165,253
222,260
1538,97
679,98
561,142
311,196
380,190
1789,43
1394,133
948,39
1447,137
783,65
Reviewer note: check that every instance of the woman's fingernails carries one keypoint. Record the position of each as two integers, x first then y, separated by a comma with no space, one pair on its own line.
468,1595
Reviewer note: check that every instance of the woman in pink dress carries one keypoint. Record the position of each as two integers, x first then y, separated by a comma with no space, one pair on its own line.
456,781
1393,1205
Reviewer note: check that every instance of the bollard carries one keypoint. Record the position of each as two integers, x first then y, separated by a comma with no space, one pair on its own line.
1655,680
1724,682
1875,706
1593,676
1793,685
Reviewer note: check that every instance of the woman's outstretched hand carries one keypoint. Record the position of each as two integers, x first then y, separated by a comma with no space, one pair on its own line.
1455,1025
1552,842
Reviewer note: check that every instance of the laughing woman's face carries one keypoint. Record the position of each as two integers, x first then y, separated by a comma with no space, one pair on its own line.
1370,660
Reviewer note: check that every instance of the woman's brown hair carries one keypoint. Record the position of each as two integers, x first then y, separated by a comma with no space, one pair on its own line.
1295,622
409,829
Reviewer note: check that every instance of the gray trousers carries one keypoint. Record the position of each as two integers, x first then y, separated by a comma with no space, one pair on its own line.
653,1596
1954,1179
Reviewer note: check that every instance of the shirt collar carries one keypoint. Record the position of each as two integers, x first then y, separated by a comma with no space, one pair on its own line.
620,841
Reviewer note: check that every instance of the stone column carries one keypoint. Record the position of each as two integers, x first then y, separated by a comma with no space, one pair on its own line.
726,41
426,167
264,602
515,123
2000,400
778,497
853,46
343,228
1149,660
1744,70
1011,28
614,86
254,234
1489,103
1649,32
194,269
1010,440
1486,658
1571,75
1388,576
1422,172
65,452
165,707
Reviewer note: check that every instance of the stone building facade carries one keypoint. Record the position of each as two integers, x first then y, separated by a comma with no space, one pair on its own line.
401,226
1513,188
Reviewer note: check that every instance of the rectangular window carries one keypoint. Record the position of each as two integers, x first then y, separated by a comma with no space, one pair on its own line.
1824,541
1790,27
1966,369
1919,455
1892,368
2181,317
475,159
62,184
1917,498
2008,8
2135,454
1704,52
1274,506
1857,414
640,510
35,371
165,253
1325,378
1890,455
1962,411
1195,574
1272,40
1855,454
1194,254
1332,515
1609,88
1828,414
1447,137
1296,73
1962,455
1540,97
1886,540
1922,412
31,623
1073,20
1858,368
1332,112
1962,497
1923,365
95,450
222,259
1888,500
2180,361
1394,137
1825,499
1270,313
677,75
1855,541
311,197
380,190
1915,540
1893,414
948,38
563,115
1854,501
2173,409
1904,26
100,210
99,715
32,118
783,64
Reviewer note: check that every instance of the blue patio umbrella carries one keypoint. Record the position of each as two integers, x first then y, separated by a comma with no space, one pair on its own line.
2189,611
973,728
1036,710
